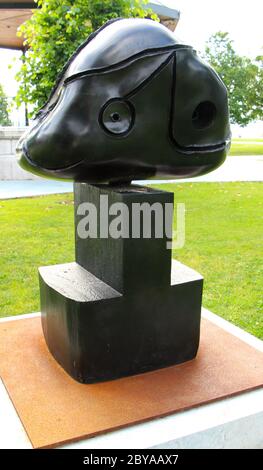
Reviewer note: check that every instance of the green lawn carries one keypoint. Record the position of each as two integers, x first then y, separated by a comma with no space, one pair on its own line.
224,242
238,139
246,147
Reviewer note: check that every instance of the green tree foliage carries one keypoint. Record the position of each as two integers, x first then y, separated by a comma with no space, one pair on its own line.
242,76
54,32
4,118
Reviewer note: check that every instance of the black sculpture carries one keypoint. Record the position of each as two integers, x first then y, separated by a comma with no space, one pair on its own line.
132,103
124,307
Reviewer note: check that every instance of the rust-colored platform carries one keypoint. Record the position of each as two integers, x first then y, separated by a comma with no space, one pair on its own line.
55,409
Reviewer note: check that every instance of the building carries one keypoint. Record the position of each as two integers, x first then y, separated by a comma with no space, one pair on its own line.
14,12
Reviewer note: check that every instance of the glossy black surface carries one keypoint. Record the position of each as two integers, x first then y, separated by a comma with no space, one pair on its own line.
120,309
132,103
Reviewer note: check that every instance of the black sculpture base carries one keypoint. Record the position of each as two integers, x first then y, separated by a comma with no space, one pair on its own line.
147,318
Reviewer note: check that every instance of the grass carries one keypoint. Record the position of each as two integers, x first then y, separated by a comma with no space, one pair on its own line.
238,139
223,241
34,232
241,147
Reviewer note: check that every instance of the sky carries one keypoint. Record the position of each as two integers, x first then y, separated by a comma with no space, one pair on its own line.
199,20
242,19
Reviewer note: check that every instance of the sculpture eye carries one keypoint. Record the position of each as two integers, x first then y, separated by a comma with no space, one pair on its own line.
117,116
204,115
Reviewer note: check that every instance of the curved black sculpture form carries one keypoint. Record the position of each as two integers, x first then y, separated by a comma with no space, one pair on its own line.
132,103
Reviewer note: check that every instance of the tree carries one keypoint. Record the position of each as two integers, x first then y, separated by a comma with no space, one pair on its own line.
241,75
4,118
54,32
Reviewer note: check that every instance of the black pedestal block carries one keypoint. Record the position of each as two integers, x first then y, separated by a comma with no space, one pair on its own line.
101,331
126,264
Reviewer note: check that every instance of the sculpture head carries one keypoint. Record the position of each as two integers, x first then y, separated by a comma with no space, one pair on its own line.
131,103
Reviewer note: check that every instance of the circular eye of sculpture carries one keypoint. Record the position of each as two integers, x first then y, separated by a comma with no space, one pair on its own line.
117,117
204,115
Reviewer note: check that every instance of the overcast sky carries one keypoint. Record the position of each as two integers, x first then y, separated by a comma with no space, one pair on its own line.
242,19
199,19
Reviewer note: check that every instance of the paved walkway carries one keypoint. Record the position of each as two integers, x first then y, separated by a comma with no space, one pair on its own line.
247,142
29,188
246,168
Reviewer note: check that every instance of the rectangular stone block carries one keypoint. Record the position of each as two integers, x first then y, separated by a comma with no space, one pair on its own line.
97,334
120,309
126,263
